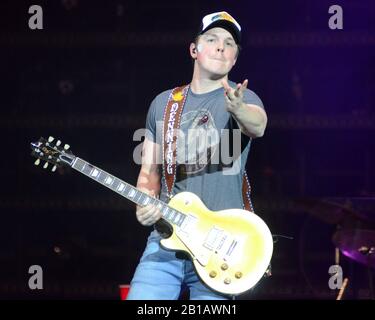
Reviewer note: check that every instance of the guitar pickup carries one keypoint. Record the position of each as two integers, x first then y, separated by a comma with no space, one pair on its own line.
212,238
221,243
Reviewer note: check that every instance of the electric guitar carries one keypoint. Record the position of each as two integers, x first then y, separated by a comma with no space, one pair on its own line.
230,249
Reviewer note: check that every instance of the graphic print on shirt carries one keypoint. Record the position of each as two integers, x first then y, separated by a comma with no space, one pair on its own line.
197,144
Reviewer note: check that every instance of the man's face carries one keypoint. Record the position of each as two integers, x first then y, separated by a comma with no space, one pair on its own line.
216,52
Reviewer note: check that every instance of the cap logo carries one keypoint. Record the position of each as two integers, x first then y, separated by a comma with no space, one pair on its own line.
223,16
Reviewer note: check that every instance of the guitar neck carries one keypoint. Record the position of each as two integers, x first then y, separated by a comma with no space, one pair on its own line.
127,191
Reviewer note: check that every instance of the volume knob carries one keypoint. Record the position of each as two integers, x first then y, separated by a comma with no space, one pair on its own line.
224,266
213,274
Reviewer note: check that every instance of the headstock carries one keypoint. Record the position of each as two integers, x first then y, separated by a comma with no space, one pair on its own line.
51,152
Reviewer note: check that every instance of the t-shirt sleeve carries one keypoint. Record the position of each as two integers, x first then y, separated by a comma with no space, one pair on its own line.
151,122
154,119
251,97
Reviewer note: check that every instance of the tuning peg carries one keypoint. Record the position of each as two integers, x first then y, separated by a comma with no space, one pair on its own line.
45,165
66,146
58,143
37,161
53,168
50,139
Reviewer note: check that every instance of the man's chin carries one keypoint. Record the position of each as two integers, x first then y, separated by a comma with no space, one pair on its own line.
215,73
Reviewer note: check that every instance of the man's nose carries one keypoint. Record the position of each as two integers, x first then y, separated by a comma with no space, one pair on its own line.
220,46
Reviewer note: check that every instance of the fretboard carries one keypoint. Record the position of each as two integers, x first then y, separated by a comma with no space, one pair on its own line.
127,191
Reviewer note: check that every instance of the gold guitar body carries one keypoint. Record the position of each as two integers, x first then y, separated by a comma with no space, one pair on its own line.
230,249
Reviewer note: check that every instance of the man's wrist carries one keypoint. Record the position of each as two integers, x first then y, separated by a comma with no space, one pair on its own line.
238,111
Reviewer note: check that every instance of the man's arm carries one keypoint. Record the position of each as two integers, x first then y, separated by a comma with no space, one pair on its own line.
149,175
149,182
251,119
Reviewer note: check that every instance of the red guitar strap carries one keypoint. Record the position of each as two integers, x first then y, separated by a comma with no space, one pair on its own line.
171,124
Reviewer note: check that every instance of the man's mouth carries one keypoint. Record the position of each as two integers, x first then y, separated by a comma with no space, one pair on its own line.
222,60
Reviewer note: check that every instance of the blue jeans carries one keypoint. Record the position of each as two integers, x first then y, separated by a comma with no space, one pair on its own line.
160,275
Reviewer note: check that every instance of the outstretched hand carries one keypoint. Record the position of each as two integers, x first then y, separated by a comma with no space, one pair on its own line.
234,97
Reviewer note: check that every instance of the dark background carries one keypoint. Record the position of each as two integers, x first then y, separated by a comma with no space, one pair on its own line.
88,78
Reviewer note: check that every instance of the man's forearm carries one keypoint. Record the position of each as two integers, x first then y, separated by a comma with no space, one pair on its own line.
149,182
251,119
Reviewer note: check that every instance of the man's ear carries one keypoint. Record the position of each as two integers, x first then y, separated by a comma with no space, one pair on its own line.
193,50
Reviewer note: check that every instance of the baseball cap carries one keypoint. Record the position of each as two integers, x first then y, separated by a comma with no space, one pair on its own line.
223,20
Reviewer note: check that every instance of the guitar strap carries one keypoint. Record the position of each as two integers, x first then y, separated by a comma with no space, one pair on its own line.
171,124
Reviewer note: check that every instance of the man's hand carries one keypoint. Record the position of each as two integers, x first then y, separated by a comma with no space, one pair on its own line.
234,97
148,215
251,119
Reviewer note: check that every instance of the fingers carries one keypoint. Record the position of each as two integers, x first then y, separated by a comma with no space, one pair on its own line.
225,84
244,84
148,215
240,88
231,93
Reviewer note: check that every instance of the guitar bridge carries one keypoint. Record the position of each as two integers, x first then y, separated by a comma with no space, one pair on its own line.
230,249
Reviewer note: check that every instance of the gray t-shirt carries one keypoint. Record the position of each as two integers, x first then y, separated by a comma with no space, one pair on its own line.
211,150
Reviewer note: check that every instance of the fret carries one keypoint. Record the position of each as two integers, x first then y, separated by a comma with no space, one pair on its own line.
87,168
79,164
115,184
121,187
101,176
177,221
165,212
182,218
176,217
138,196
160,206
94,172
127,189
131,193
171,215
146,201
154,201
108,180
141,197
